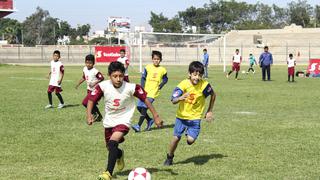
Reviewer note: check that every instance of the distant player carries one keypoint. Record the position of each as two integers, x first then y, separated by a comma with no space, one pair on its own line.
190,94
291,64
125,61
205,62
56,76
236,61
153,79
119,98
92,76
252,61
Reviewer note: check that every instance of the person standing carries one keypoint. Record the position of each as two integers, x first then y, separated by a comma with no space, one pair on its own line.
265,61
205,62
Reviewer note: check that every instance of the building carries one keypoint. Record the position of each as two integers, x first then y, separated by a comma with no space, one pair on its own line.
6,7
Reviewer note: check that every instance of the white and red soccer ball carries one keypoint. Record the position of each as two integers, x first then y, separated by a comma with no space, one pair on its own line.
139,174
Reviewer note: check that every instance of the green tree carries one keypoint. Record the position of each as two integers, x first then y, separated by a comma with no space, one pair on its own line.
10,29
300,12
160,23
317,15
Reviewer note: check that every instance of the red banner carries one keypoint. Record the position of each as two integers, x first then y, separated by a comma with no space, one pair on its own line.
314,66
109,53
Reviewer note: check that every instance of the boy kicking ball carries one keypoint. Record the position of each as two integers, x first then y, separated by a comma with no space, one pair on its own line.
119,98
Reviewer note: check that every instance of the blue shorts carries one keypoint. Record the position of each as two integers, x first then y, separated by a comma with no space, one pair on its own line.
192,128
142,104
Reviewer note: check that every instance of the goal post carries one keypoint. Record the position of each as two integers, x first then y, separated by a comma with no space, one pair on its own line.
182,48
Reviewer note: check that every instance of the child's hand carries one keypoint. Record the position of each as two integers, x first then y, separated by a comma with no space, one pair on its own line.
158,121
90,119
59,82
209,117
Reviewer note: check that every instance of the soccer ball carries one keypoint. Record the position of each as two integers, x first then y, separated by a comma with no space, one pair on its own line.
139,174
243,72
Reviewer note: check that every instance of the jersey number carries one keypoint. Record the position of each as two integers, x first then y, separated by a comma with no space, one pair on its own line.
116,102
191,98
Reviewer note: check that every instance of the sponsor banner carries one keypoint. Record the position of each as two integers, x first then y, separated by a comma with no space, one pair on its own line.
109,53
314,66
119,24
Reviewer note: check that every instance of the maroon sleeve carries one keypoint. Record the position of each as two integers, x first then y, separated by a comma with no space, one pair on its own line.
99,76
140,93
127,62
96,95
62,69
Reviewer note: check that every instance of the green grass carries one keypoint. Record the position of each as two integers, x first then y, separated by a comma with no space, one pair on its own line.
262,130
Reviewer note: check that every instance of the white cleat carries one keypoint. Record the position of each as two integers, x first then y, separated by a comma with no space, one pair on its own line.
60,106
48,106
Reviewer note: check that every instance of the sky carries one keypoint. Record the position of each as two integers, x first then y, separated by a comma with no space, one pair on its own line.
96,12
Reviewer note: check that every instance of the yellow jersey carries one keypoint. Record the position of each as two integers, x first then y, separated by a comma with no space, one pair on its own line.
193,106
153,76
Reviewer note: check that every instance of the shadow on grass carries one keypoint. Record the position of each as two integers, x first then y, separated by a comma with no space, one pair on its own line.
163,127
71,105
202,159
151,170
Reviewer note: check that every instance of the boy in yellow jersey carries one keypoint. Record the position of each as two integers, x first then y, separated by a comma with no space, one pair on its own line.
190,94
153,79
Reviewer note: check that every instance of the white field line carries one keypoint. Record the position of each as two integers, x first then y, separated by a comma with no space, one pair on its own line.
246,113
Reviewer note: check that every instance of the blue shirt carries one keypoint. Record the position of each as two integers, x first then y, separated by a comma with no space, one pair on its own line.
205,60
266,59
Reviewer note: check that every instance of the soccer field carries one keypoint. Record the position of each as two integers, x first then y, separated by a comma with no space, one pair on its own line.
262,130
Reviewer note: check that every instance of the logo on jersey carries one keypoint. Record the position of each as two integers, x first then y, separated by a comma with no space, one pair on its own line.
140,91
175,94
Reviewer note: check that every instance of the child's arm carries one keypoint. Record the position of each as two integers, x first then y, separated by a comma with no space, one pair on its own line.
48,76
164,81
61,74
143,78
178,96
209,114
80,81
100,78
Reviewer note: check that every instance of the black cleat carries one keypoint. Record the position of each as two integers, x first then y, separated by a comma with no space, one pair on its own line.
168,161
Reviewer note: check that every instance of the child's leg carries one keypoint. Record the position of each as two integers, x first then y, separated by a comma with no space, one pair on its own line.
173,145
143,114
288,77
237,72
60,98
50,98
292,78
230,72
193,131
112,144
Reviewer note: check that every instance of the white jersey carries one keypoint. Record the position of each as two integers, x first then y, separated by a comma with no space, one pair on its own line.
56,68
124,61
119,102
237,58
91,76
291,62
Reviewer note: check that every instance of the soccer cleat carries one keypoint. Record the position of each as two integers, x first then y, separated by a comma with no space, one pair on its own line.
168,161
48,106
60,106
97,117
120,162
149,125
136,128
227,75
105,176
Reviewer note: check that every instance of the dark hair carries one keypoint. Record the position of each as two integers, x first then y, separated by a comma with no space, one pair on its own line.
115,66
290,55
237,49
90,58
266,47
122,50
56,52
204,49
157,53
196,66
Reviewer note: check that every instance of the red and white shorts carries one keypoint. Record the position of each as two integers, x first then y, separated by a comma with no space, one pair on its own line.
236,66
118,128
291,71
54,88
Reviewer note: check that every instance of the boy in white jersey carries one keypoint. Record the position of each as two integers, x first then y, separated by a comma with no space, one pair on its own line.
119,98
236,61
93,77
56,75
125,61
291,64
